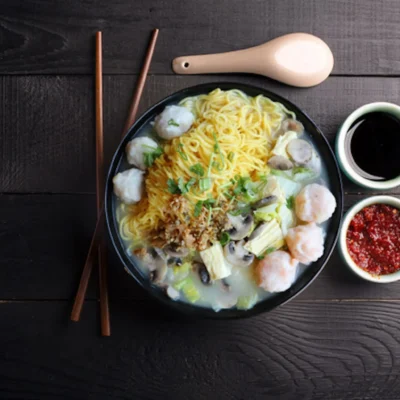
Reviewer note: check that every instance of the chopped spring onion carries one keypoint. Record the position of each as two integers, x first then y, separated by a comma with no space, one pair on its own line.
197,208
209,202
232,199
225,238
197,169
190,183
210,164
173,186
225,185
204,184
172,122
263,177
245,187
231,156
217,165
290,202
199,205
241,211
151,156
180,152
180,187
217,150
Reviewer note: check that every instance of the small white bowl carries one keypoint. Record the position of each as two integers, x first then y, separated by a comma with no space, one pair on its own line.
340,148
390,200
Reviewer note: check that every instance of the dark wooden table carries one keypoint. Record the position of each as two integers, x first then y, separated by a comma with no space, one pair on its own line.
340,339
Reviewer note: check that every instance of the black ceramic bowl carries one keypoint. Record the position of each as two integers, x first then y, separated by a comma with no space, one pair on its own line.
312,270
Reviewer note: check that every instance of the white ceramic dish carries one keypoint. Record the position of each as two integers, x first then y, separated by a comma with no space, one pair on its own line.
340,146
390,200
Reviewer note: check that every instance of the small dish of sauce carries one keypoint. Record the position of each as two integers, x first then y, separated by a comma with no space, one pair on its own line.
369,239
373,239
372,146
368,146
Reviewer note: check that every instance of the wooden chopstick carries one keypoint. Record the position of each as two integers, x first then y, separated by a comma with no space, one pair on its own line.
81,293
141,82
85,277
103,286
102,257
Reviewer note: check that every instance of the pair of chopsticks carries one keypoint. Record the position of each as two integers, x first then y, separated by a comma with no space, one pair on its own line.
97,241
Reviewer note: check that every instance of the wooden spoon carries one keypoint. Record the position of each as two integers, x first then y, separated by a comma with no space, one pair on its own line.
297,59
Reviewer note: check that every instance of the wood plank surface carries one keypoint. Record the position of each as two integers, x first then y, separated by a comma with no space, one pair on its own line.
308,350
338,340
44,240
57,37
48,121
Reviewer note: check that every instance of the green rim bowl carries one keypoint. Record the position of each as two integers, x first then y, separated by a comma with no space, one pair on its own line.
342,245
343,161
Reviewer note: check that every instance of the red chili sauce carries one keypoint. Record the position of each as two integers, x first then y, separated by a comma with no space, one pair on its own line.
373,239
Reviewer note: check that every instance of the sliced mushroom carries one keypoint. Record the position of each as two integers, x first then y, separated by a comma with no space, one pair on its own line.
174,261
203,273
159,274
300,151
156,265
225,286
258,231
266,201
237,255
241,226
292,125
279,162
175,251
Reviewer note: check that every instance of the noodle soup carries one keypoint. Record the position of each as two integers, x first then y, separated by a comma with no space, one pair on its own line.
223,200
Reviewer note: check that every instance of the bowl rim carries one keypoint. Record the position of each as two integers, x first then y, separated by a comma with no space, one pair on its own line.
201,312
349,215
391,108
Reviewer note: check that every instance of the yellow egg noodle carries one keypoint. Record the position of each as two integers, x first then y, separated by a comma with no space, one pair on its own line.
232,135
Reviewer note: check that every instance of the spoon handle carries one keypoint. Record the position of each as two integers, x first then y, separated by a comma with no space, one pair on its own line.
233,61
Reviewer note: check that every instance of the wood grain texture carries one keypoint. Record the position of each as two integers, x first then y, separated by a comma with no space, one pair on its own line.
309,350
48,121
338,340
56,37
45,239
44,243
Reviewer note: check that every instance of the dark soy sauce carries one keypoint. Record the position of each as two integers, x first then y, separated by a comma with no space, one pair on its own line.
372,146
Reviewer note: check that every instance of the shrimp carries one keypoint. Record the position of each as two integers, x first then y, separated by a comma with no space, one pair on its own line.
305,242
315,203
276,272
